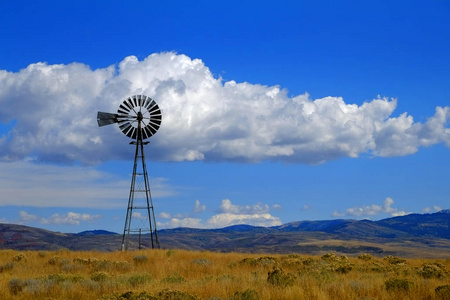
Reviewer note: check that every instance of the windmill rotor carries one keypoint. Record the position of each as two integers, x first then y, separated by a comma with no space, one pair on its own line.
138,116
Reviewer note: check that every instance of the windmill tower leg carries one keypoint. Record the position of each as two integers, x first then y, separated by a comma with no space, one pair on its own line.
140,216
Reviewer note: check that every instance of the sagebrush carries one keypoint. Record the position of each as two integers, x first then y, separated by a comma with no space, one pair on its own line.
179,274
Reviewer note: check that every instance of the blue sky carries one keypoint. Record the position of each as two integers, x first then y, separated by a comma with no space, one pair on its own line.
273,112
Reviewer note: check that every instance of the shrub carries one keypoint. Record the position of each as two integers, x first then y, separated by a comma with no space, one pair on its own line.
248,294
397,284
292,262
175,278
140,259
175,295
365,257
344,269
100,277
297,256
278,277
20,257
16,286
394,260
129,296
33,286
309,261
53,261
329,257
137,279
6,267
122,265
432,271
57,278
264,260
443,292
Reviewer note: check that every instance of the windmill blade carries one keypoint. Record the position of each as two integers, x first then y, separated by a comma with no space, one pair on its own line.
150,103
124,109
139,100
152,128
156,117
128,105
155,110
147,102
104,118
154,125
131,133
152,106
125,127
134,135
144,133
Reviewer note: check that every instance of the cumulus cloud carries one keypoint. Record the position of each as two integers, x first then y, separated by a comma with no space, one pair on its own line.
305,207
228,214
25,217
181,222
49,113
69,218
226,207
372,210
429,209
198,208
164,215
228,219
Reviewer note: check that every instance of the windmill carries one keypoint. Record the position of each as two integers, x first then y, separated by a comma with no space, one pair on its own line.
139,117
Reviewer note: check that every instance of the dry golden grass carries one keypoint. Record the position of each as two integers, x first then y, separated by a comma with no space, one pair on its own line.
179,274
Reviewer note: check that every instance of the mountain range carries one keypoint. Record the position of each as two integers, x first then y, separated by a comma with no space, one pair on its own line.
413,235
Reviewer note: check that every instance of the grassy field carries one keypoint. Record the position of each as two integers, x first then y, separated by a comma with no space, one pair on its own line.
179,274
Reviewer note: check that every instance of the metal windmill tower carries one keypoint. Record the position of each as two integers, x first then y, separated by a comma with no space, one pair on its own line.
139,117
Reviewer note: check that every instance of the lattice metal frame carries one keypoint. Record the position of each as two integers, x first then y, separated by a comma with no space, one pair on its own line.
139,117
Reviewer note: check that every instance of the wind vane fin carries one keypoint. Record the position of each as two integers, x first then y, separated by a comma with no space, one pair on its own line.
104,118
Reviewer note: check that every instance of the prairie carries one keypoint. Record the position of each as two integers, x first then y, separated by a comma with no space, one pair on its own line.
182,274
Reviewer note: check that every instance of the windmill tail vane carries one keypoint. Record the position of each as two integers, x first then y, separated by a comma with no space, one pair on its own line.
138,117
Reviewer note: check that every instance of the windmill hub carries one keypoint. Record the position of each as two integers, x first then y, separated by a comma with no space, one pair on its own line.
140,117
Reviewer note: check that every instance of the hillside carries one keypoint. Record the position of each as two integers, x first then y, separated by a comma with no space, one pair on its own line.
425,235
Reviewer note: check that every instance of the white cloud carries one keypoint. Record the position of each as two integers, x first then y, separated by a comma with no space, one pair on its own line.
337,214
228,219
372,210
25,183
164,215
139,216
435,208
198,208
184,222
52,109
276,206
306,207
228,214
226,207
70,218
25,217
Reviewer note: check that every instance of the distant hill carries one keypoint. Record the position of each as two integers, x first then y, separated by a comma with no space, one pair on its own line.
95,232
421,235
